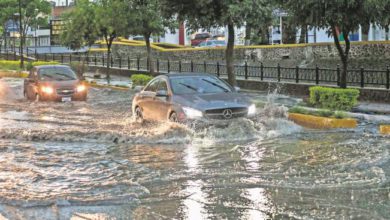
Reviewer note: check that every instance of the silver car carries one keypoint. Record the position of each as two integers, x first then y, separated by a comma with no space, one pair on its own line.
183,97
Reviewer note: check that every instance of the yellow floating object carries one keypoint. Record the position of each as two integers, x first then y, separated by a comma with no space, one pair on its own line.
311,121
385,129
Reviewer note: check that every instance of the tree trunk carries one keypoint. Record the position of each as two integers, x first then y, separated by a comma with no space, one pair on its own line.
149,53
289,32
230,56
387,33
343,55
108,64
302,38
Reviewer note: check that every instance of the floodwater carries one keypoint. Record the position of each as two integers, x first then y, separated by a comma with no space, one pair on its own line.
91,161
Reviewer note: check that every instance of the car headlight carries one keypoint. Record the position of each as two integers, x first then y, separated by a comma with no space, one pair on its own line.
47,90
81,88
252,109
192,113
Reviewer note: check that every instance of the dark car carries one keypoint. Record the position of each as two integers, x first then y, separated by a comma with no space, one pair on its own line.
199,38
189,96
54,83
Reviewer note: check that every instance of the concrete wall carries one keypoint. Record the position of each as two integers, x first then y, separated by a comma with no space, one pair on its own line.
302,90
371,55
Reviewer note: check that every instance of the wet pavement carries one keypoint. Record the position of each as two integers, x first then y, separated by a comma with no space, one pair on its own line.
91,161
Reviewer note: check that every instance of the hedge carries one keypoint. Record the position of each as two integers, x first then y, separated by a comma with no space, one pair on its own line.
9,65
140,79
333,98
30,65
15,64
320,113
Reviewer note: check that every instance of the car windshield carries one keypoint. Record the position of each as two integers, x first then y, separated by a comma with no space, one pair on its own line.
56,74
198,84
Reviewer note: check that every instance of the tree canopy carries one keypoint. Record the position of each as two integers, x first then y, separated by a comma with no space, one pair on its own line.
218,13
339,17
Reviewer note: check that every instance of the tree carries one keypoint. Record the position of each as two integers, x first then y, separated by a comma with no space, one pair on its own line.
145,18
29,11
383,16
217,13
25,12
257,26
341,18
90,21
7,10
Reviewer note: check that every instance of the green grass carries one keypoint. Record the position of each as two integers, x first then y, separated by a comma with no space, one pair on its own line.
321,113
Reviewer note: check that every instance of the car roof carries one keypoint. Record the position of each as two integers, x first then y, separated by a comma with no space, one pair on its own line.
51,66
186,74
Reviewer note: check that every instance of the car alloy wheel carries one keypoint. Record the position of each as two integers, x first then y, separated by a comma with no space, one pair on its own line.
173,117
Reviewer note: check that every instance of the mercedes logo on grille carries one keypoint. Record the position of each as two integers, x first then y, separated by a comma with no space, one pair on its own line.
227,113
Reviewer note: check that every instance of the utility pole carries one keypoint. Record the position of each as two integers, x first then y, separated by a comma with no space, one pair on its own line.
21,36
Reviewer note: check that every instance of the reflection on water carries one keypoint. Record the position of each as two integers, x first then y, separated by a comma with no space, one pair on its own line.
90,161
195,197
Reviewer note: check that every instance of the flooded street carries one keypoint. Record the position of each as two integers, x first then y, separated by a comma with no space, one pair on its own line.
91,161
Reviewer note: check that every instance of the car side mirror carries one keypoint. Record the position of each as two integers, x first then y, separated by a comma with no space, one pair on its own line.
237,89
162,93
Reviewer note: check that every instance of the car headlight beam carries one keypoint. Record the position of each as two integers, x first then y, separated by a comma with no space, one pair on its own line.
252,110
192,113
47,89
81,88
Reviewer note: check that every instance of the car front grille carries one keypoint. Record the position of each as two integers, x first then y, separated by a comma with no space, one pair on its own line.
226,113
65,92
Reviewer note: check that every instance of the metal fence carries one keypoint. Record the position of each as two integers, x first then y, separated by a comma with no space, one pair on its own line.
318,76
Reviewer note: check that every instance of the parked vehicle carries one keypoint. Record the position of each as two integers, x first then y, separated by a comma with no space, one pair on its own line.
54,83
199,38
213,43
186,97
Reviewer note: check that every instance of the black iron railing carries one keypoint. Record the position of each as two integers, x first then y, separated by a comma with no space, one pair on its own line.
259,72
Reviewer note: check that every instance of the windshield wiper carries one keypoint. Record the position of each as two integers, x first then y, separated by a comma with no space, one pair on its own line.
215,84
188,86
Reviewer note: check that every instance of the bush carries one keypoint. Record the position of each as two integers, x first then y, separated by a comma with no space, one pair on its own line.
320,113
140,79
9,65
334,99
30,65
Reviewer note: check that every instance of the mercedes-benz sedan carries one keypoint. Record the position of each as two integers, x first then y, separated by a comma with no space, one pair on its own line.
188,96
54,83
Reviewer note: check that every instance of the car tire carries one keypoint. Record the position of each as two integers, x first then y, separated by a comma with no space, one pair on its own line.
173,117
138,115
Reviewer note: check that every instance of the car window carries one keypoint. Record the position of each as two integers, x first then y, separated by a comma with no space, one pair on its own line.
56,74
198,84
162,85
209,43
152,87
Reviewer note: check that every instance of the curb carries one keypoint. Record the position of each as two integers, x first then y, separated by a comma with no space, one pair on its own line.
384,129
322,122
106,87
